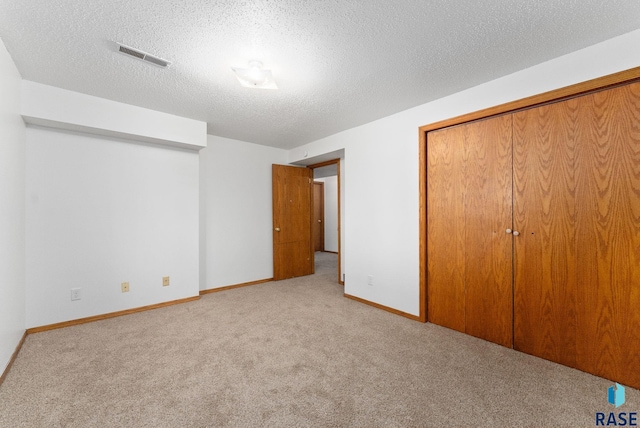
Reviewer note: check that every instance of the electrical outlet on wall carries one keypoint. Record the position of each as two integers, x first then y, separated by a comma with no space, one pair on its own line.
165,281
75,294
370,279
125,287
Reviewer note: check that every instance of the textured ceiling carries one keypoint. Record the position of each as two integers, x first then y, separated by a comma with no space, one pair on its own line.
337,63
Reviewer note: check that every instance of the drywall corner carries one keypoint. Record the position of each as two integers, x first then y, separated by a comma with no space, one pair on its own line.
12,210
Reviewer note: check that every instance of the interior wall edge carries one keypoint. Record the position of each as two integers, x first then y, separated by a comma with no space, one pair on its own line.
384,308
6,370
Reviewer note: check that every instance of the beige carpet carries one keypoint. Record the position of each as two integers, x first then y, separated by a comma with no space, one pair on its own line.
293,353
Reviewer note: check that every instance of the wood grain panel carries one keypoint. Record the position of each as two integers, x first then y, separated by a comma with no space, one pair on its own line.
545,216
445,228
488,213
292,216
608,247
577,270
292,259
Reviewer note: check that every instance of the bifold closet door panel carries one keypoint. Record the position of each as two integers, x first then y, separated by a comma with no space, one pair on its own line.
445,228
469,204
575,294
577,208
545,215
608,246
488,213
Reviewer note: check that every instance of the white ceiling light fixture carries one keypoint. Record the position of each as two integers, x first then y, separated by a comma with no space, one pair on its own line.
255,76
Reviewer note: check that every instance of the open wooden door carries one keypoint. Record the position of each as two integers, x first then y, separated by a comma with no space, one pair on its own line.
318,216
292,217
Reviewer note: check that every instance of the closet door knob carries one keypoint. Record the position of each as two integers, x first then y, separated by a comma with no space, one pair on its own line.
509,231
516,233
277,229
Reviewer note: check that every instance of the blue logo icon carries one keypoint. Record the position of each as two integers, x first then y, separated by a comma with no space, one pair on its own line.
616,395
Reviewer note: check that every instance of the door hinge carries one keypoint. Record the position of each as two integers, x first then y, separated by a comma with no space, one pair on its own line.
309,181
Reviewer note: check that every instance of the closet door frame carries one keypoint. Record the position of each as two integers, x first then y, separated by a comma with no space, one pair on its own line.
578,89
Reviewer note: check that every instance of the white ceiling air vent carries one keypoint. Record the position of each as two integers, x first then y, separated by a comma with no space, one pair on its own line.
141,55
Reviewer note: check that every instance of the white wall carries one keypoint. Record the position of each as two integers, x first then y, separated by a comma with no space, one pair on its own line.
101,211
330,212
238,210
59,108
12,247
381,222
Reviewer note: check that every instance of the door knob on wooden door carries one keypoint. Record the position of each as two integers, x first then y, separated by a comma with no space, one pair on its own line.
516,233
509,230
319,221
277,229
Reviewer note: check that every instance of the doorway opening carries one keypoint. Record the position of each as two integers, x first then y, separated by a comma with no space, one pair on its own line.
326,227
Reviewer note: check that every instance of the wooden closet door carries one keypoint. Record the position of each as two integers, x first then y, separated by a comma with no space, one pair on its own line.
577,208
469,255
445,228
608,244
545,215
488,213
